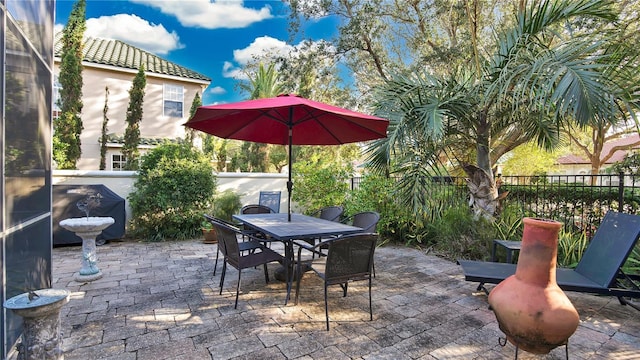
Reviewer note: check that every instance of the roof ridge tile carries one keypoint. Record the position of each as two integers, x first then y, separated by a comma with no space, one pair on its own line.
120,54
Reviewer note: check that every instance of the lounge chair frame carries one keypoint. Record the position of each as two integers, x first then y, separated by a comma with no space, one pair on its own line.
599,270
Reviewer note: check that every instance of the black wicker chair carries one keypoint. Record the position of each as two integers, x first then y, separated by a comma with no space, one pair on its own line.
249,245
255,209
348,258
368,221
261,255
270,199
331,213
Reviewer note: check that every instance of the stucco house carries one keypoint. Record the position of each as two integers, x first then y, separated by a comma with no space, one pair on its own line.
112,64
576,168
580,165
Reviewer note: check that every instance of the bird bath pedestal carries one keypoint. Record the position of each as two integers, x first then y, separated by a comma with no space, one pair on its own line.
40,310
88,228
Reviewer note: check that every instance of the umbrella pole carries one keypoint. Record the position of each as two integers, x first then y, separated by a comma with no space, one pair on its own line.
290,183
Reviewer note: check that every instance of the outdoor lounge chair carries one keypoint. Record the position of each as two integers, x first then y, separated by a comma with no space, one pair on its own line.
262,255
599,270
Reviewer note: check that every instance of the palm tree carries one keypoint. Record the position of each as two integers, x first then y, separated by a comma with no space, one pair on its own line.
537,78
264,84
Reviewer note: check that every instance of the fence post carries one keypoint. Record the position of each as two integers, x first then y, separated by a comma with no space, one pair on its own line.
620,191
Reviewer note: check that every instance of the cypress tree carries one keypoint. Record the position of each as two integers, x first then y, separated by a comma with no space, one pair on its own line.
68,127
103,135
195,104
134,116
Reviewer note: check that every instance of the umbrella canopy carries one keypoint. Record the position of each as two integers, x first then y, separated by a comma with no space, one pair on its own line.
287,120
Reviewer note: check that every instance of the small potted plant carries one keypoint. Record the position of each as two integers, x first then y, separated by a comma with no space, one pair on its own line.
209,233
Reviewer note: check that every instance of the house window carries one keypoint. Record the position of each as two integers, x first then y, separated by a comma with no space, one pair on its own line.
118,161
173,99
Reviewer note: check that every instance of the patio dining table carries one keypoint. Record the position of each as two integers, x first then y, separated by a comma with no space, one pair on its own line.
300,227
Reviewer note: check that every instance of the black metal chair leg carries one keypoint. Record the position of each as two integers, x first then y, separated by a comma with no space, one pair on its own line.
266,274
224,272
370,302
215,266
298,271
238,289
326,305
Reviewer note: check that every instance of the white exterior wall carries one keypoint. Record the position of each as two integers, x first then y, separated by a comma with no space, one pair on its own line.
248,185
153,125
572,169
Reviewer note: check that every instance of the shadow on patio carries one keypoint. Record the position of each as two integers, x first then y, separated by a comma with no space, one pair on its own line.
160,301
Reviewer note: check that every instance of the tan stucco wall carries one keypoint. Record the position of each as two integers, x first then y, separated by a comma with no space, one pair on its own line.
154,124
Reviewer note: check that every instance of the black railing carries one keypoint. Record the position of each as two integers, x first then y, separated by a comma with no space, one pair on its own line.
579,201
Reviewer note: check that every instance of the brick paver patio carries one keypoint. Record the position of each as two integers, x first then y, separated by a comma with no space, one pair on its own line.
160,301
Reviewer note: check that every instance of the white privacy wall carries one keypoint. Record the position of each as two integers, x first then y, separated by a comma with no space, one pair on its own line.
248,185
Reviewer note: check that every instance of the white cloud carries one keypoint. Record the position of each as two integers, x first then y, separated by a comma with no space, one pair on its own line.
135,31
231,71
210,14
261,47
217,90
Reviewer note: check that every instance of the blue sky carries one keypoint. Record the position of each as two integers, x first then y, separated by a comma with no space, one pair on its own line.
214,38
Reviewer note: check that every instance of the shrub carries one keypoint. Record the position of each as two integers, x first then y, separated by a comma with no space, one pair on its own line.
375,193
571,246
174,184
317,186
457,234
508,225
632,266
226,204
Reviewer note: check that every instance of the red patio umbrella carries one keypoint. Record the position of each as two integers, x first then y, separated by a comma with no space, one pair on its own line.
287,120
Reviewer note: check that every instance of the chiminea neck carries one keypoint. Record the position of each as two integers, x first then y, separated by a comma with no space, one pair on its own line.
539,251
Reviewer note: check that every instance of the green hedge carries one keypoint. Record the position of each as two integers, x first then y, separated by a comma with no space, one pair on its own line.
175,185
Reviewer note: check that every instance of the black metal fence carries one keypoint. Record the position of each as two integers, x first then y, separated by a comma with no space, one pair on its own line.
579,201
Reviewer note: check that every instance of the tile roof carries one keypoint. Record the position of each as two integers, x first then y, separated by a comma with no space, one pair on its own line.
120,54
627,141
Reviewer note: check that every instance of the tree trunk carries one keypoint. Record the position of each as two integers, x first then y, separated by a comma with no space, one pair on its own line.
482,145
484,199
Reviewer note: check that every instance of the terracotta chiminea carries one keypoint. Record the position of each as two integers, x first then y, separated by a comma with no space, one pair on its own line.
532,311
